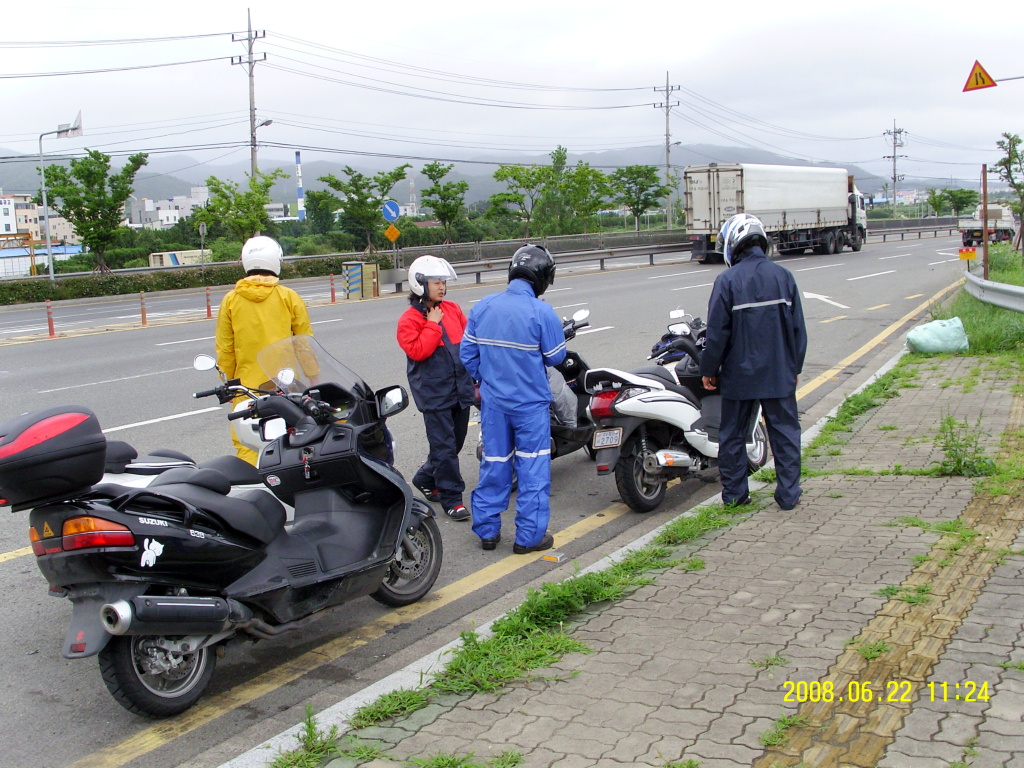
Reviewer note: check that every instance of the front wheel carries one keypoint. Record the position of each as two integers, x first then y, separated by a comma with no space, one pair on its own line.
415,567
155,676
641,488
757,451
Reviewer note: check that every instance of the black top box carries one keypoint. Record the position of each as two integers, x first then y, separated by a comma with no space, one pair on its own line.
50,455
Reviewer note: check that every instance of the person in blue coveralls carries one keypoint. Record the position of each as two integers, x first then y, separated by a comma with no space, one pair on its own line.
510,338
756,342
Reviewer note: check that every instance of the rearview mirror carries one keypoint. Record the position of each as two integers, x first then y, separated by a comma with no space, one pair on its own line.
391,400
580,315
679,329
675,314
204,363
285,377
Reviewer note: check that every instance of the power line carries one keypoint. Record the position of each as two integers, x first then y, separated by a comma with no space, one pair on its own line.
133,68
90,43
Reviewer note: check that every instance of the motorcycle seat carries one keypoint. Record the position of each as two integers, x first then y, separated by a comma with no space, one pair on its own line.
254,513
664,377
205,478
122,458
238,471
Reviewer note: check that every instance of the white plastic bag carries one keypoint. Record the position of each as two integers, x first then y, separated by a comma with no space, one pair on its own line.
938,336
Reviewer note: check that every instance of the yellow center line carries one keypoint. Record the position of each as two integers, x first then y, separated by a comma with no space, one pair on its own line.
816,382
5,556
210,709
833,319
877,306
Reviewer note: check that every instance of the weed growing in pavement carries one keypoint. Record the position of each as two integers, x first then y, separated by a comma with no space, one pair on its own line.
315,745
507,759
888,427
682,764
964,455
1016,666
920,559
1002,554
870,650
769,662
390,706
778,734
912,595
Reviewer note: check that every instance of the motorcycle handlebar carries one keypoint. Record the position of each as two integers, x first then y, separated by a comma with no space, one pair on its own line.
239,415
206,393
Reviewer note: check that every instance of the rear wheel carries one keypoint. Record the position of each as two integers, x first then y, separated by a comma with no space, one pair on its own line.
640,488
830,243
858,242
757,451
155,676
840,242
415,567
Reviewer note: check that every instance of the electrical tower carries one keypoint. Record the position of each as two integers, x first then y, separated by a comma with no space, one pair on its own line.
667,105
897,142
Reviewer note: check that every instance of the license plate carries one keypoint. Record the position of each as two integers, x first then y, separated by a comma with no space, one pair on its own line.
608,438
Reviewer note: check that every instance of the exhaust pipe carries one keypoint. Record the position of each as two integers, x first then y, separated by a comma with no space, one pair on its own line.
679,459
151,615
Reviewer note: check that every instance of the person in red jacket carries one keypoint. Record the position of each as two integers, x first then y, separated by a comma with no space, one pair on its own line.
429,332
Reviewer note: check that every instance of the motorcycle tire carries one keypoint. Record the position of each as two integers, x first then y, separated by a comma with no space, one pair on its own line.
128,666
415,568
641,491
757,456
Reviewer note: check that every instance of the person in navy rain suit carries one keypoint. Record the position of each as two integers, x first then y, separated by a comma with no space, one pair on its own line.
756,342
510,338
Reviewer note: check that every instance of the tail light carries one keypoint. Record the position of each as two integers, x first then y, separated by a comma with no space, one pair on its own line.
601,404
89,532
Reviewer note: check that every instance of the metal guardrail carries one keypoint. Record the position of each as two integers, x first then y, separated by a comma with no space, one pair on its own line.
998,294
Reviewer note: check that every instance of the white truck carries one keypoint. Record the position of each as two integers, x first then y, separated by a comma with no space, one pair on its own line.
801,207
1000,225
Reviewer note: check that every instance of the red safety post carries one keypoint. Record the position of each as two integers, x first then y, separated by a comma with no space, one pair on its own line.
333,298
49,318
209,309
142,302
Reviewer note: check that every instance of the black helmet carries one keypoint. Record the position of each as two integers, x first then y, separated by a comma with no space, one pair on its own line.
533,264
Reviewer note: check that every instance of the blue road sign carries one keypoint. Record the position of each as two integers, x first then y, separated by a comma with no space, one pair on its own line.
391,210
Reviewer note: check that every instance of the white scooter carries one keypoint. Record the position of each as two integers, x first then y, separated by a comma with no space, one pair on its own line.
658,422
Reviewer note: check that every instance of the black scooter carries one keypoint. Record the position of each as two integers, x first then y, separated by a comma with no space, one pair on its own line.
160,577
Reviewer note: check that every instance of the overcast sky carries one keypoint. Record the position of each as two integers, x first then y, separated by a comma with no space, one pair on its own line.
820,80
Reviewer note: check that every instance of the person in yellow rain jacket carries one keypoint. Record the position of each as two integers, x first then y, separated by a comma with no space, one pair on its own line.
257,312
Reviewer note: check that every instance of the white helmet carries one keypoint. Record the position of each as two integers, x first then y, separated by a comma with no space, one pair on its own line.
429,268
738,233
262,252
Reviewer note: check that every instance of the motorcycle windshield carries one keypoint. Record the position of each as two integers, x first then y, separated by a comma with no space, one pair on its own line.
299,362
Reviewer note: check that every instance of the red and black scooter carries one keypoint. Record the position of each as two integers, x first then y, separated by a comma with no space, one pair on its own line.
162,576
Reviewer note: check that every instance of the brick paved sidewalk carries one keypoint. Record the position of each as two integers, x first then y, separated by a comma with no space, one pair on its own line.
699,665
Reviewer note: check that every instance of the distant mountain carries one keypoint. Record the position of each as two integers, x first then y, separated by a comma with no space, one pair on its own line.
165,176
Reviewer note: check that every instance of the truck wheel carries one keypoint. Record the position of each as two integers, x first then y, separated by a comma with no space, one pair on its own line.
149,677
858,242
840,241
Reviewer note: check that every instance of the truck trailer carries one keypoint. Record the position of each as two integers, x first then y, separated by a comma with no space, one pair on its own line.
801,207
999,223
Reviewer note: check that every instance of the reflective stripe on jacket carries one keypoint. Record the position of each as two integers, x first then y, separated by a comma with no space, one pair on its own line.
756,337
510,338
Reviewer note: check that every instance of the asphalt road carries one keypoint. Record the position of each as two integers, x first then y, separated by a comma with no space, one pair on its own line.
140,381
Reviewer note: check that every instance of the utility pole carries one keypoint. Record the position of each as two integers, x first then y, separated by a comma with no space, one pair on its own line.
250,61
897,142
667,105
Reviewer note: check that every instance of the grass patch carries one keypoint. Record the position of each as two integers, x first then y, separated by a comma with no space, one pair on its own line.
912,595
778,734
507,759
964,455
683,764
888,427
315,745
769,662
390,706
1016,666
870,651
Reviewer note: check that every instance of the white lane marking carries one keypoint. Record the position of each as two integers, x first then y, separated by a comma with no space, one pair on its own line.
162,418
679,274
111,381
933,263
686,287
875,274
184,341
595,330
570,306
826,299
898,255
823,266
556,290
321,322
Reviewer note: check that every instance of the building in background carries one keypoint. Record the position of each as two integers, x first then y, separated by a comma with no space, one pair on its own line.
145,213
8,220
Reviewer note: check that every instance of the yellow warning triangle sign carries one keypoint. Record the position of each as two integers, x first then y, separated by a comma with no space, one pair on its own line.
47,531
979,78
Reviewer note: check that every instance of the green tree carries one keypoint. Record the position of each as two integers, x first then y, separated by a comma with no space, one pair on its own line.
552,214
362,198
638,188
447,200
961,200
525,185
92,199
1011,166
320,208
937,200
586,192
241,212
